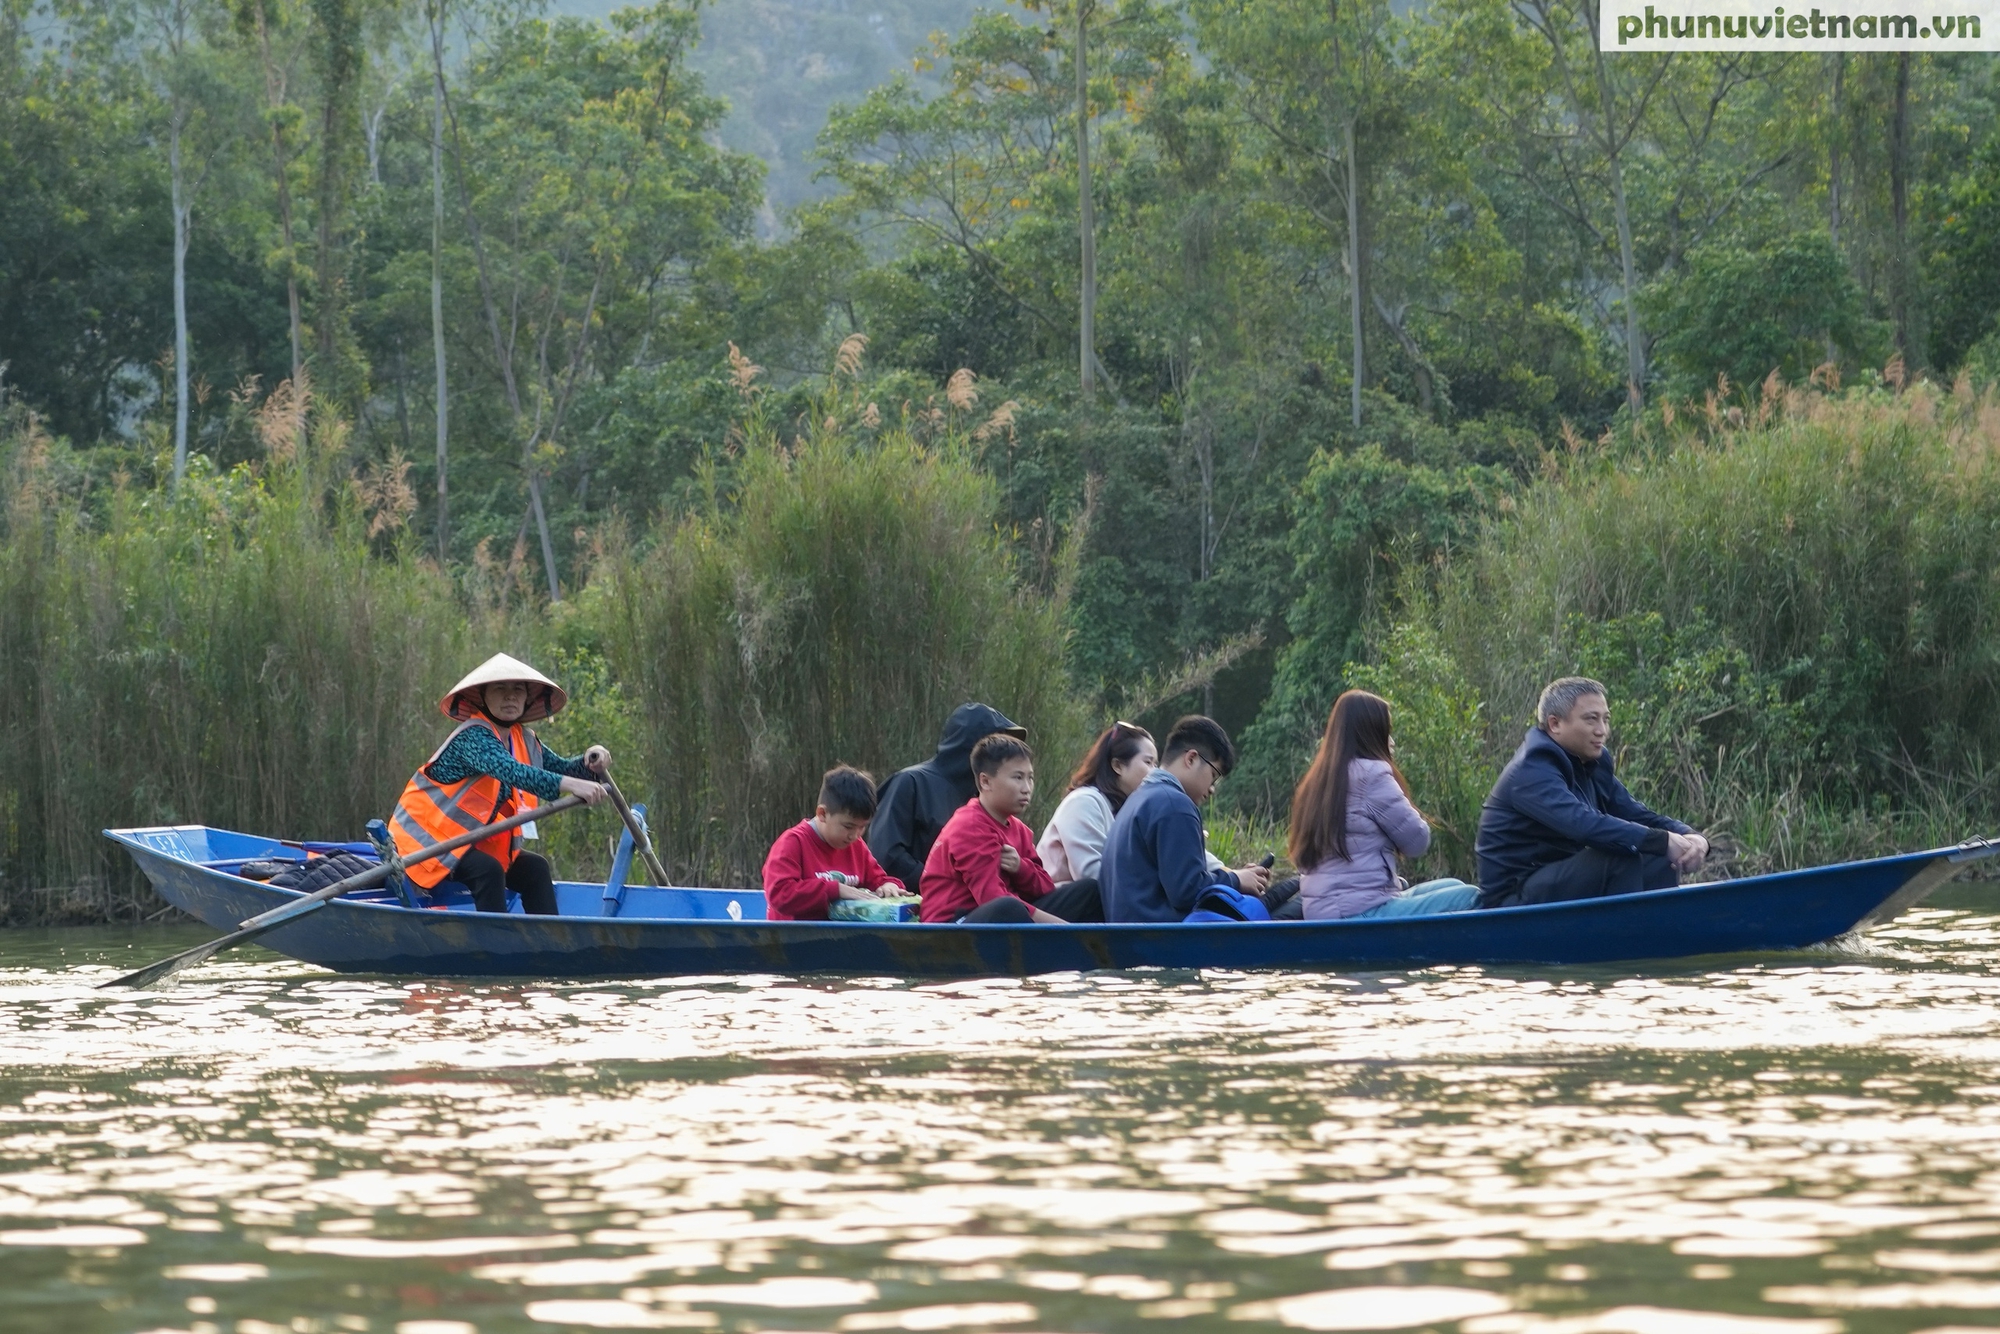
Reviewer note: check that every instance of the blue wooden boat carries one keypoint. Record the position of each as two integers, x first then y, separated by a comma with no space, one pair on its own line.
614,931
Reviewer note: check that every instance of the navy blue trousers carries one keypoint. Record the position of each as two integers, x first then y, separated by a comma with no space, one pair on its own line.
1595,874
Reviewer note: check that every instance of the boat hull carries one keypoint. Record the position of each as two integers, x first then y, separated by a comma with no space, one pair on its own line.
1784,911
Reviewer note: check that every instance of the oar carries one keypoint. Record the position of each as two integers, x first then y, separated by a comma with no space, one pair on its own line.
638,828
256,926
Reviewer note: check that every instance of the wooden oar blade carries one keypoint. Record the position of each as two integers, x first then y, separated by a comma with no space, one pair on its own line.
164,971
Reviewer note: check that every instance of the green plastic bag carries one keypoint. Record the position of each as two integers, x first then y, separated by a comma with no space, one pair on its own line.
874,910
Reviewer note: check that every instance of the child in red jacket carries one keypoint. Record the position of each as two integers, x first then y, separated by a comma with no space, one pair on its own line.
984,867
824,858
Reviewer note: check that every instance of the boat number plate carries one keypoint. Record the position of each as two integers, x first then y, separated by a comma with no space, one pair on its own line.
168,841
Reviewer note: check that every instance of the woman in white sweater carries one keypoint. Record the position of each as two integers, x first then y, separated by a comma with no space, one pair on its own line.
1119,760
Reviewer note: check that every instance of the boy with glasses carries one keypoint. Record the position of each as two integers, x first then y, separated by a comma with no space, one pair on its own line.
1156,861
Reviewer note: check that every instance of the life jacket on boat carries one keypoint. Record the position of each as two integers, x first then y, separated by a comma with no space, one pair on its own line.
430,812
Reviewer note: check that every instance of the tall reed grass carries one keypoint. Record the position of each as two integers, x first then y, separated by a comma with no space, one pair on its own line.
834,601
239,653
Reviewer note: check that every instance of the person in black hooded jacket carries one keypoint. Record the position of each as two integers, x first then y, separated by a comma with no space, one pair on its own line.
916,802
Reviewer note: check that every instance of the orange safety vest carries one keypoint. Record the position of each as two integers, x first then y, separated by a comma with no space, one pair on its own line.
430,812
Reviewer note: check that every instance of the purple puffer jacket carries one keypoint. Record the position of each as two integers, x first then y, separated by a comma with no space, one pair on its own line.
1381,822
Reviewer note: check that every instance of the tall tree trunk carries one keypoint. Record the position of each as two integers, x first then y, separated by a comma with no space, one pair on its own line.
1627,259
372,129
1833,162
503,354
180,206
1635,347
1629,281
437,282
1086,219
1899,205
542,527
402,396
340,73
274,91
1420,365
1354,277
1834,167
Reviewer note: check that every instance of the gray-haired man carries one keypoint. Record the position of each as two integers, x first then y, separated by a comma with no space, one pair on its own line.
1559,825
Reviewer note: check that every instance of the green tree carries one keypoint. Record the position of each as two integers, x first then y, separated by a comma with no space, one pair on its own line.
83,248
1744,314
1635,160
339,56
1320,81
275,32
966,171
586,182
1366,523
1964,257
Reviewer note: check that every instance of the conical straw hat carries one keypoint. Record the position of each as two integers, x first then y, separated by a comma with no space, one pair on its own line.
464,702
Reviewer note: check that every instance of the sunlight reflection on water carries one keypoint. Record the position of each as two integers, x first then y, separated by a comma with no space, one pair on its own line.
1799,1144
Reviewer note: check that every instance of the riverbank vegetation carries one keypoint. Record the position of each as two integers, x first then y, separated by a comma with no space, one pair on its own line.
237,652
343,343
835,604
1797,616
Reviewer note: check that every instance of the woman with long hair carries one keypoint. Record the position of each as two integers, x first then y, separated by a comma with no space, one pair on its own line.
1352,817
1118,761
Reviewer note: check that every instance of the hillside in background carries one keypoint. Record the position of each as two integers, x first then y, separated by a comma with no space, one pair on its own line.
782,64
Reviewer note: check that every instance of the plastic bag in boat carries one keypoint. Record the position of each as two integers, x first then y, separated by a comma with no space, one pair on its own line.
902,908
1222,903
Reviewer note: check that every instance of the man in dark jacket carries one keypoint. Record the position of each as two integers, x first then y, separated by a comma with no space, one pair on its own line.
1559,825
916,802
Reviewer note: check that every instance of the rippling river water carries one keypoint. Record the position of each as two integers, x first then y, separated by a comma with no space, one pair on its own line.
1796,1144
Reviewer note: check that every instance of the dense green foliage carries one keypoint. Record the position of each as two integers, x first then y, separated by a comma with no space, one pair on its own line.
1412,341
1966,256
1361,521
1737,315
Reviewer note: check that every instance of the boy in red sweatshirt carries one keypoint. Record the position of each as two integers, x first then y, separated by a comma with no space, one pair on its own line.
824,858
984,867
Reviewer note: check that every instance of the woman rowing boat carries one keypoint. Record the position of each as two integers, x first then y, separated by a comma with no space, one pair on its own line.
489,768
